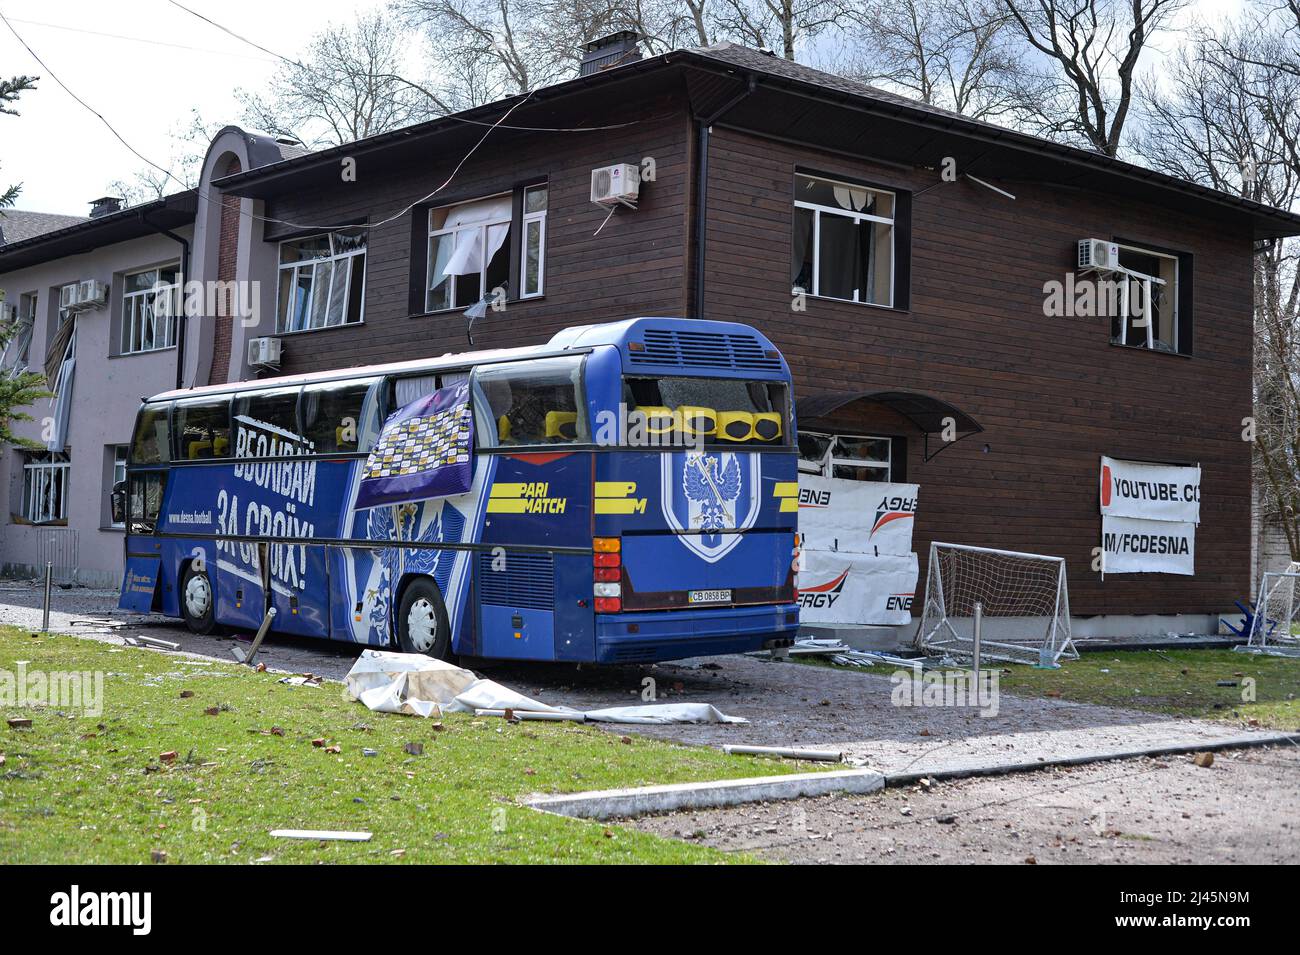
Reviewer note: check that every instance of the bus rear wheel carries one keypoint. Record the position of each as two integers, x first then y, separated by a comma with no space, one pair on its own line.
198,601
422,625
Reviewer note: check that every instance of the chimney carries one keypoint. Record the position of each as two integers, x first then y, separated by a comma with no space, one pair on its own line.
610,51
105,206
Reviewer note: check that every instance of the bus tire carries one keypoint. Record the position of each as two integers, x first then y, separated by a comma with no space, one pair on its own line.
198,601
422,625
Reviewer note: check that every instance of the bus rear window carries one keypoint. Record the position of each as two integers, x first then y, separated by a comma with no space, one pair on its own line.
202,429
150,445
723,410
534,402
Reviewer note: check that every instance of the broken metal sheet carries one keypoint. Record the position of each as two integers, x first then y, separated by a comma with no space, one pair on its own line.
416,685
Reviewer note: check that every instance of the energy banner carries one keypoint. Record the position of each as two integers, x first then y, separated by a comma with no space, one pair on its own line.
858,589
862,517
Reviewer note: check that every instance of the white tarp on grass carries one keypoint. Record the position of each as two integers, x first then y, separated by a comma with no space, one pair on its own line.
416,685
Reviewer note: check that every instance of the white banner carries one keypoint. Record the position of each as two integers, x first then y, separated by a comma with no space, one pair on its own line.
1131,546
847,588
862,517
1153,492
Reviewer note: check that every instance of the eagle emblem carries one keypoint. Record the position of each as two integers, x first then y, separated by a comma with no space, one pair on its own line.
713,486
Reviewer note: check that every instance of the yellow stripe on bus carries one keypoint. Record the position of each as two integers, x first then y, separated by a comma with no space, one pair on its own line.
786,489
615,488
629,506
790,504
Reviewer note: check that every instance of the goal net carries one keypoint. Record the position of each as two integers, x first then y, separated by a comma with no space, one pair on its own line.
1272,628
1024,602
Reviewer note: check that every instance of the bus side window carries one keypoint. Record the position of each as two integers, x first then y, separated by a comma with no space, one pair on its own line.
333,415
202,429
151,443
144,501
266,424
535,402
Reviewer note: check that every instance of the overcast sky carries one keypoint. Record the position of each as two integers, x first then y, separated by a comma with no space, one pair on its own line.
145,65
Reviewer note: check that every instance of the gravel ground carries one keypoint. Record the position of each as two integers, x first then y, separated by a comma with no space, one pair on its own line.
1245,808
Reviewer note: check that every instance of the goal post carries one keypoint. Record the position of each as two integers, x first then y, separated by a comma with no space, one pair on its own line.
1024,599
1272,624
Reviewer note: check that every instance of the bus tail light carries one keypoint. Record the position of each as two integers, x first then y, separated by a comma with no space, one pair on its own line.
607,574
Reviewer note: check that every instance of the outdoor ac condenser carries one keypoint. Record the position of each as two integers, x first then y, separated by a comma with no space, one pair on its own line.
264,352
90,293
1098,255
620,183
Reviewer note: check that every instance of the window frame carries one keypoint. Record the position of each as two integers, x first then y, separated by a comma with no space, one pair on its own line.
333,258
1179,297
431,233
154,292
121,455
16,356
826,467
52,467
895,300
526,219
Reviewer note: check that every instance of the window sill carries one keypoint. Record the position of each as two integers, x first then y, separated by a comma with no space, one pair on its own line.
1149,351
24,522
460,310
848,301
323,328
141,354
114,529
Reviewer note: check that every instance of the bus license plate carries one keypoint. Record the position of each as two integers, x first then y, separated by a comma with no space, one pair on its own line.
710,596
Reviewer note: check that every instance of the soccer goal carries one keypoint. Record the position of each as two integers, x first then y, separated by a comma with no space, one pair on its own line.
1272,627
1023,597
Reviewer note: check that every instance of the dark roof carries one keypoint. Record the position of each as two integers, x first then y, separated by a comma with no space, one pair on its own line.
17,224
802,104
83,235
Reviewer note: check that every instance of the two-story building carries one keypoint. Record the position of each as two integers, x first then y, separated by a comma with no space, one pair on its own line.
96,305
901,256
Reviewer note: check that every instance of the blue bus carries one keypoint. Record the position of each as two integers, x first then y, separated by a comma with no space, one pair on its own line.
631,496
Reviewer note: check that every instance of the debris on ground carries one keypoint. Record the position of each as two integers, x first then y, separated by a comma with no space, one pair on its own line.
322,835
784,752
416,685
154,643
1204,760
19,723
414,749
302,679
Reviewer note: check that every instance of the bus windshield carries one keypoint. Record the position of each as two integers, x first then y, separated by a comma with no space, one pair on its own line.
725,410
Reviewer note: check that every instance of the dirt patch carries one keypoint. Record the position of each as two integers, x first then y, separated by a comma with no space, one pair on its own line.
1245,808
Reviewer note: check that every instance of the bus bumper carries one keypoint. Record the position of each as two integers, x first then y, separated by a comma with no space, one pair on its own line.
655,635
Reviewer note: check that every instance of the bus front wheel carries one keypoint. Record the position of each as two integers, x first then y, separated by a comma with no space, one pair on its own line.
422,620
198,601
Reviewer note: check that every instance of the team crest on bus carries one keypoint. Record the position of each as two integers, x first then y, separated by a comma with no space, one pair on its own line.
710,493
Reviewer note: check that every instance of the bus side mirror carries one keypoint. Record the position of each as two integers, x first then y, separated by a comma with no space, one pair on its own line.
117,501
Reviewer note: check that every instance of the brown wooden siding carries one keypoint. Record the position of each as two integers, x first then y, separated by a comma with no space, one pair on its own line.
1052,393
634,267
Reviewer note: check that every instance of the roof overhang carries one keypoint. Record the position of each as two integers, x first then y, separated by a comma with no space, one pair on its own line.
930,415
787,103
170,212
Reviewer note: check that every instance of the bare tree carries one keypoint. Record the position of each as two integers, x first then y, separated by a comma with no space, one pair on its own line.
778,25
958,54
1092,49
348,85
1224,114
189,146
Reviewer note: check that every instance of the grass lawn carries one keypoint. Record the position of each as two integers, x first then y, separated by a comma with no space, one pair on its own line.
78,788
1181,682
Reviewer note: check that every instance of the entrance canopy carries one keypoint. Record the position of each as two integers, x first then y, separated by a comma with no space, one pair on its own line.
930,415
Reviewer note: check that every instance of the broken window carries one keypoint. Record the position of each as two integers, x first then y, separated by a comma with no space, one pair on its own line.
322,282
846,456
1148,315
469,253
843,241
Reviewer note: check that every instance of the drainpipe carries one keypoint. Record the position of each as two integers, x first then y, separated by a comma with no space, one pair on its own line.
185,277
702,187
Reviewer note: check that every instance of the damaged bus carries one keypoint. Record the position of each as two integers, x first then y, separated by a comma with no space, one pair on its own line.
624,493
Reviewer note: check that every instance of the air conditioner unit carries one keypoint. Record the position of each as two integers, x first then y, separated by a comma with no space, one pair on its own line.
620,183
1098,255
8,313
88,293
264,352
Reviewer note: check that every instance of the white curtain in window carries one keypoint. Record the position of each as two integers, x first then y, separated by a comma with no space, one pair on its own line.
468,257
412,389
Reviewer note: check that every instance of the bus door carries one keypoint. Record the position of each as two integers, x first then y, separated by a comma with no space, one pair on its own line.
240,586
